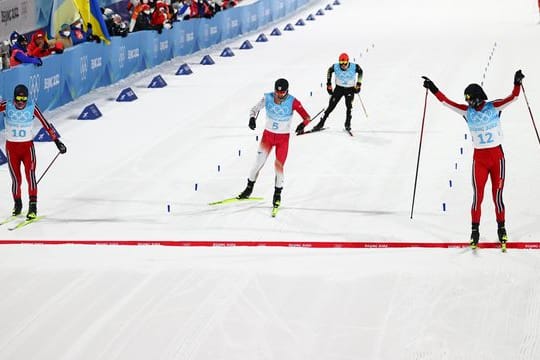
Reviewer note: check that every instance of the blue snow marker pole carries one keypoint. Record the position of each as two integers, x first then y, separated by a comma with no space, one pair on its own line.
443,206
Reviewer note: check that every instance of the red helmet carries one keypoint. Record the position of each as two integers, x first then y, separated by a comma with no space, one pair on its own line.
344,58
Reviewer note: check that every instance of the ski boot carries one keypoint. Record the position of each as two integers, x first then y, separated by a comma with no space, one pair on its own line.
348,124
247,191
475,236
503,237
17,207
320,124
32,211
276,201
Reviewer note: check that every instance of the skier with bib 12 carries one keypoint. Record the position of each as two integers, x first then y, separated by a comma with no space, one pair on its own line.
483,120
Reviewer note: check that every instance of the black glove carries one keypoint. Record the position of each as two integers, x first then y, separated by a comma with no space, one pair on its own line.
518,77
329,89
39,62
252,124
60,145
428,84
357,87
300,128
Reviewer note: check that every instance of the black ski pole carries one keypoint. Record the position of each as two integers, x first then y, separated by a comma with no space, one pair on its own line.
48,167
530,112
317,115
419,149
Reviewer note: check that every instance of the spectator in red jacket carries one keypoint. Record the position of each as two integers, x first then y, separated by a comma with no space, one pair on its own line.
40,46
161,16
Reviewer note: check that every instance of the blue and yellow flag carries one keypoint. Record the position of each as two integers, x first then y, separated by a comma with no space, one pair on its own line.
63,12
91,14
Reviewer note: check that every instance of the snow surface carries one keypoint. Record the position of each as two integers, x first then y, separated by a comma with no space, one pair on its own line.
124,171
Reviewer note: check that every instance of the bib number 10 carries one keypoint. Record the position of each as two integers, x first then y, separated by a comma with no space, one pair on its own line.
19,132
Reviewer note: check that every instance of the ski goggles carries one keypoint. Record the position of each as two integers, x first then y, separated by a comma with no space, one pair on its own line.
21,98
343,62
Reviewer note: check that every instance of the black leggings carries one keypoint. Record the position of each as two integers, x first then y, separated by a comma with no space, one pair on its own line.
339,92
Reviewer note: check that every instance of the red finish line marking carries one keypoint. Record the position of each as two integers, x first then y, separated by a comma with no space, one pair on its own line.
299,244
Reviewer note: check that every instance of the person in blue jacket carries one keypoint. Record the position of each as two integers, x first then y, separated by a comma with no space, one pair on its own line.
19,53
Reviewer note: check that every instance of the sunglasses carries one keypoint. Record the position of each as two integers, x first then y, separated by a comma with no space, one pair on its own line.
21,98
281,92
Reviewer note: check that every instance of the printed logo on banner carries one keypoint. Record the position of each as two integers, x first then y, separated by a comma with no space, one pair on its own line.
84,67
181,37
163,45
133,54
95,63
34,86
122,56
51,81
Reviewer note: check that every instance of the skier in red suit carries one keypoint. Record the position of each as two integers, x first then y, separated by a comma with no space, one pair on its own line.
483,120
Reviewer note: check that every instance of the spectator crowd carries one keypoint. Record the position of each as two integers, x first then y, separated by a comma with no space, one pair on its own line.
144,15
